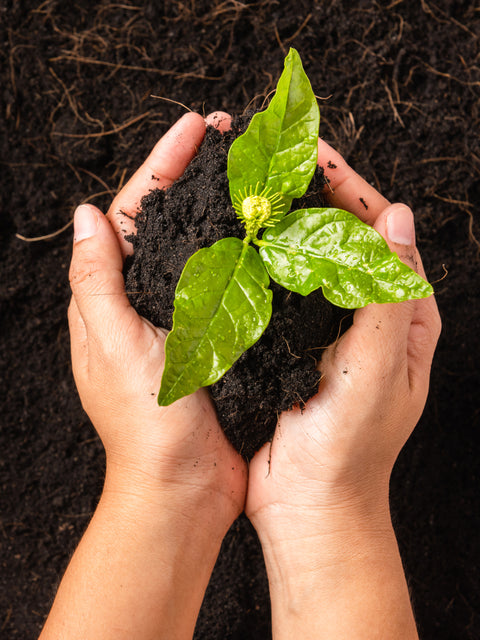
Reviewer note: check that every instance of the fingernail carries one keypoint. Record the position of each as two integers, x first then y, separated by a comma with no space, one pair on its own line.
85,222
401,226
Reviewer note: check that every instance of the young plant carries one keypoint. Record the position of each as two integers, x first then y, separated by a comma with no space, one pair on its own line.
223,302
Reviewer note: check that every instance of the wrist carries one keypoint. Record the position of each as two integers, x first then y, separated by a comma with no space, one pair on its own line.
322,542
142,567
313,530
345,585
341,577
201,507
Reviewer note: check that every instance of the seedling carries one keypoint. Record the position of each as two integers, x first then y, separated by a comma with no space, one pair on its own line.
223,302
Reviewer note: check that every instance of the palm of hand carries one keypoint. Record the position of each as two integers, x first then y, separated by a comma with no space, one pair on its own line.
327,450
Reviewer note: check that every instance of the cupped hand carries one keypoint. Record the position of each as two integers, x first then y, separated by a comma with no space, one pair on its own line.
339,451
118,358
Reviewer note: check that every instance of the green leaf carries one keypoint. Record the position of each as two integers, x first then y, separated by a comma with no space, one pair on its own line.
279,148
333,249
222,307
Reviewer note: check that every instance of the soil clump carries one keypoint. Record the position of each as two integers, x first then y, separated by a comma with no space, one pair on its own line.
280,370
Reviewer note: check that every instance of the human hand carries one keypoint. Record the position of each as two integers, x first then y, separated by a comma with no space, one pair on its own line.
318,494
118,356
374,383
173,483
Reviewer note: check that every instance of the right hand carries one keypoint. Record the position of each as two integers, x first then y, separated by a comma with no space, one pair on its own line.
318,494
340,449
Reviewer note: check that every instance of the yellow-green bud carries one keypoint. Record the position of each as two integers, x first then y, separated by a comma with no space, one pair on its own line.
256,209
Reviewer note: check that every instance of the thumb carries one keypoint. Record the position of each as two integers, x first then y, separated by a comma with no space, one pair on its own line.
380,332
425,323
396,225
96,275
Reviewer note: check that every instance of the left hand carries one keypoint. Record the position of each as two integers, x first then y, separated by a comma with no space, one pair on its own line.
173,483
118,358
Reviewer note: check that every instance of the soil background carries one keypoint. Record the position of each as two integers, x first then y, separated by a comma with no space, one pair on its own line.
399,83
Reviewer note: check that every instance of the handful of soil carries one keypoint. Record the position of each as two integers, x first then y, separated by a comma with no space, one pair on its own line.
280,370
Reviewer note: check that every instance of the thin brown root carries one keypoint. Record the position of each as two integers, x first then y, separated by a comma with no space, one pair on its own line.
330,188
280,43
289,350
336,339
396,115
49,236
252,101
465,206
445,274
267,97
471,235
394,171
170,100
122,180
100,180
72,57
300,29
449,76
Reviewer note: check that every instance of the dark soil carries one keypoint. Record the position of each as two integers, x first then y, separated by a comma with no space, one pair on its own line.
400,92
280,370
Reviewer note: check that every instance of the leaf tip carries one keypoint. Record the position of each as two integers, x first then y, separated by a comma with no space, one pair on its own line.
162,398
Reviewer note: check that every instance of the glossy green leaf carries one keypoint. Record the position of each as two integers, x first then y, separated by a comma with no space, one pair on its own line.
222,307
333,249
279,148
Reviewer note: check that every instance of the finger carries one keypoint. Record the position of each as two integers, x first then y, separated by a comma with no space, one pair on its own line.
425,325
220,120
347,190
396,225
165,164
380,332
96,277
